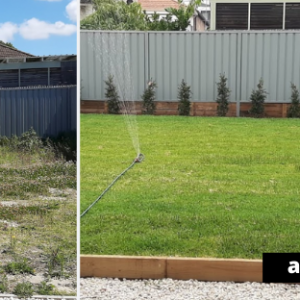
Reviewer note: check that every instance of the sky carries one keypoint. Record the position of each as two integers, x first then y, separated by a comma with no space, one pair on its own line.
40,27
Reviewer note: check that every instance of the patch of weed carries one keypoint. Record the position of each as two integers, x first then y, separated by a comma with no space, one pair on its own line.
3,283
18,267
24,289
45,288
56,263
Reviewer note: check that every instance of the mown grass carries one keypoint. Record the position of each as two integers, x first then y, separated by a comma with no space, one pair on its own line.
37,212
208,187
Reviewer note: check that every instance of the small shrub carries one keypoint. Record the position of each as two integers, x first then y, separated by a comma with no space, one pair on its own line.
3,284
29,141
294,109
45,289
56,260
4,141
184,95
19,267
65,144
24,289
258,98
148,98
113,99
223,96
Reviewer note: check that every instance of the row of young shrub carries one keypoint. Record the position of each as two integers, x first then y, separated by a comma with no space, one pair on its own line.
257,98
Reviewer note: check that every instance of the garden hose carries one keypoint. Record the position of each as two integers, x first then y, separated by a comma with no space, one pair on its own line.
138,159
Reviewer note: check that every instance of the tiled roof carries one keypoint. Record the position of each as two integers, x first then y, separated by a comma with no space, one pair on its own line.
158,5
6,51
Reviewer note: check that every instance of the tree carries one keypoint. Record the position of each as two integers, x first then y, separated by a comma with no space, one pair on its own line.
7,44
113,99
294,109
148,98
118,15
178,19
223,96
115,15
184,95
258,98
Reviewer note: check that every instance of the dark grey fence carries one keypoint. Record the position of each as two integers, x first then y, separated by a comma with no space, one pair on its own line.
48,110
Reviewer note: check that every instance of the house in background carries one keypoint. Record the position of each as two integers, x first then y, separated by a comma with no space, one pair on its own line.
37,92
255,14
86,8
204,12
20,69
199,22
6,52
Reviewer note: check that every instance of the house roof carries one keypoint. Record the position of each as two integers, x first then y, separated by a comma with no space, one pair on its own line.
158,5
6,51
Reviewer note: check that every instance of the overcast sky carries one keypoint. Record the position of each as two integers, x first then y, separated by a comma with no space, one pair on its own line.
40,27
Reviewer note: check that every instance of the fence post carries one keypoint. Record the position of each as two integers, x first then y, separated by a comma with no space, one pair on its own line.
239,73
146,51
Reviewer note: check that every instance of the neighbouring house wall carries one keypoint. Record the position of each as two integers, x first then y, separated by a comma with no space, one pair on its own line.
197,57
199,24
86,10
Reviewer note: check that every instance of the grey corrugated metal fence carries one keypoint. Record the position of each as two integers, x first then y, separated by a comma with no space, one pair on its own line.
49,110
199,58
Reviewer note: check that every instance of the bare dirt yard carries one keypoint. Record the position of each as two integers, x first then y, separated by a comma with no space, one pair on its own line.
37,219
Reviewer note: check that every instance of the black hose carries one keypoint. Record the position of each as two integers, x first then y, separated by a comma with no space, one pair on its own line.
138,159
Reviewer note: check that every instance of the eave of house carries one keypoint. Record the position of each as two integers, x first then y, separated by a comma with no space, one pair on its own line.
37,59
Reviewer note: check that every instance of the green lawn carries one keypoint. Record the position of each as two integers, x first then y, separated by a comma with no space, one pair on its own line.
208,187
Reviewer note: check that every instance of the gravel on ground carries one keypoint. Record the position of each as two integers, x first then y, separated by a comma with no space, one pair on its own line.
168,289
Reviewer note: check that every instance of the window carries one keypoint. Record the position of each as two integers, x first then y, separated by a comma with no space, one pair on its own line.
231,16
292,16
266,16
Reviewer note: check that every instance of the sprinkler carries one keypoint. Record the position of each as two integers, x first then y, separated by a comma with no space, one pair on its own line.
139,158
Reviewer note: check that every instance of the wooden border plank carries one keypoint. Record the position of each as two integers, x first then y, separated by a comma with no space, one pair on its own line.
131,267
237,270
139,267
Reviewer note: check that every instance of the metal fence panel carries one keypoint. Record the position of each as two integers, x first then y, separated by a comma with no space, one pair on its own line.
112,53
48,110
274,57
197,57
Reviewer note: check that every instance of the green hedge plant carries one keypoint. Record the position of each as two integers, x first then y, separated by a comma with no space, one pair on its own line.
113,99
223,96
294,109
258,98
148,98
184,96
